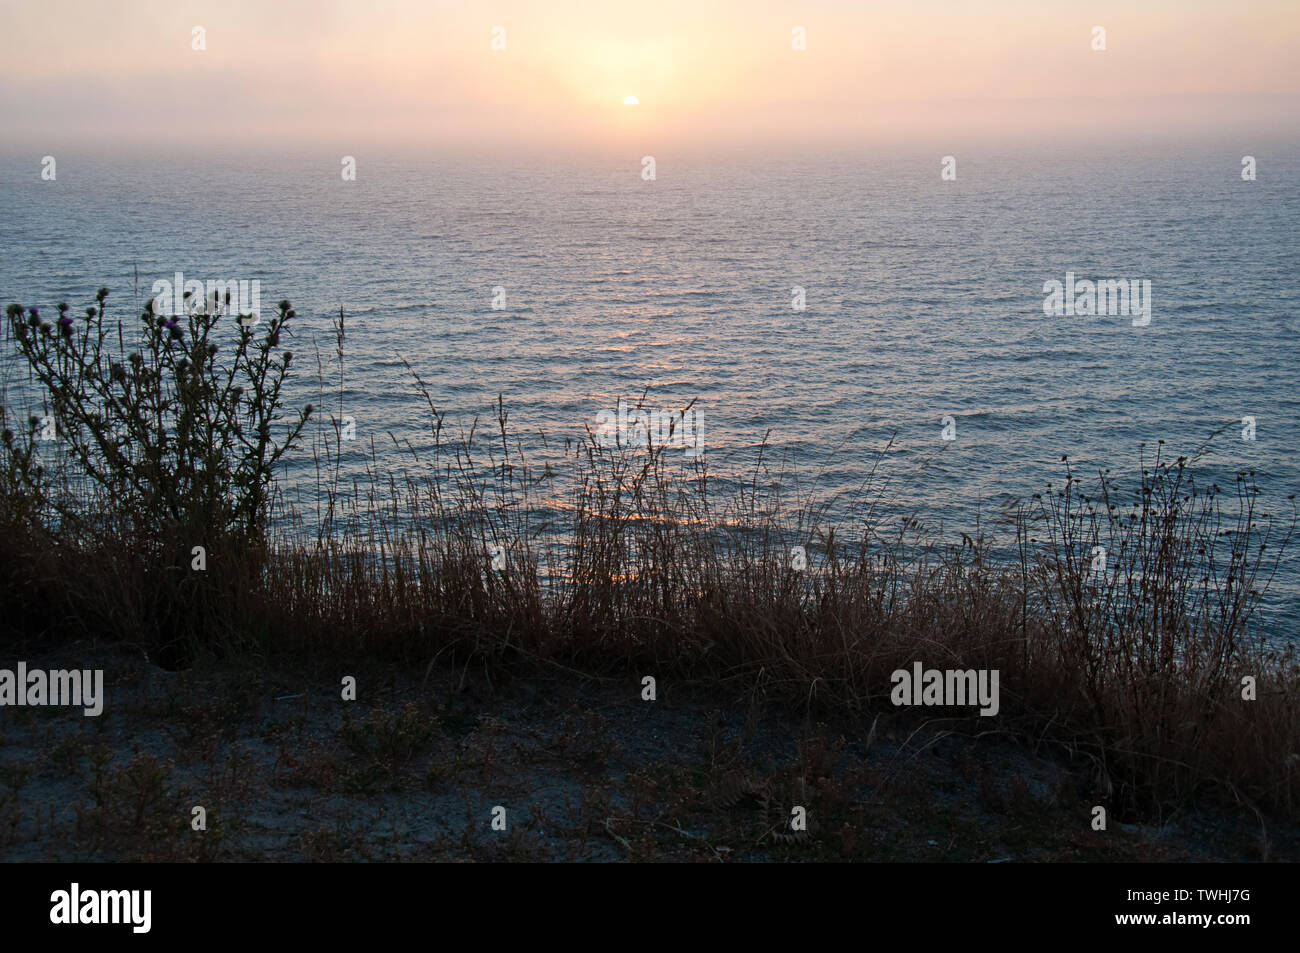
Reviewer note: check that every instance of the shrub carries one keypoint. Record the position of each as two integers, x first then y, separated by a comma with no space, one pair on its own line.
172,431
166,441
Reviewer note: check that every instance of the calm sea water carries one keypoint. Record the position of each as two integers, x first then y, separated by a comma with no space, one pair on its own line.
924,299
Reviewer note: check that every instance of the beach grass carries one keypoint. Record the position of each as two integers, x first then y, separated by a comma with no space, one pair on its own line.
1150,667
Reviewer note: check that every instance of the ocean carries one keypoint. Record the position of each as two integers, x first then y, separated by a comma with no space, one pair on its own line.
566,283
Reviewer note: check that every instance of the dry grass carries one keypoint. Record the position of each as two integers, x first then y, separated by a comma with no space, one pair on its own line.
649,568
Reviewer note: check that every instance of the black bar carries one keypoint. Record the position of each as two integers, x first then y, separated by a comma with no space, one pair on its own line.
332,902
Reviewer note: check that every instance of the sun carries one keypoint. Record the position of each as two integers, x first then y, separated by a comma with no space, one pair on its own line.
631,101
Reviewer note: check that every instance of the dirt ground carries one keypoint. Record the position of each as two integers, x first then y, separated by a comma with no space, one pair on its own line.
585,770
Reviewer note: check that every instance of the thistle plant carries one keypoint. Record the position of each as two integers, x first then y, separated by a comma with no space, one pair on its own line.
174,421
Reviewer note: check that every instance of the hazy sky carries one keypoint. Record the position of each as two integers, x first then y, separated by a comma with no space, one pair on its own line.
352,72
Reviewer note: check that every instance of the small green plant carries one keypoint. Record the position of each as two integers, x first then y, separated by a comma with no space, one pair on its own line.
166,428
388,741
149,472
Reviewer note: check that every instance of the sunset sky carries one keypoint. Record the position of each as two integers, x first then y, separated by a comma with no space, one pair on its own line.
423,71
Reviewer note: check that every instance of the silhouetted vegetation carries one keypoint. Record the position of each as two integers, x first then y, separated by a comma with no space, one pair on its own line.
1133,662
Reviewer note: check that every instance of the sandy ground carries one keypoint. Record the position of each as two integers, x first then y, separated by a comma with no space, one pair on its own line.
285,769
